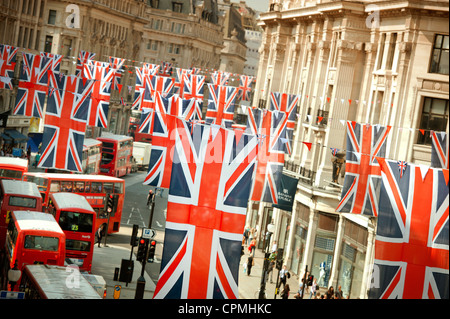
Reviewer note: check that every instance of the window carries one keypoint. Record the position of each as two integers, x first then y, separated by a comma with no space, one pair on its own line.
434,117
77,222
52,17
22,202
440,56
41,243
48,44
177,6
391,51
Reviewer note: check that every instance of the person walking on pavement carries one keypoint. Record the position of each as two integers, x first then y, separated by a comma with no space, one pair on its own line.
284,274
150,197
312,292
285,292
250,263
100,234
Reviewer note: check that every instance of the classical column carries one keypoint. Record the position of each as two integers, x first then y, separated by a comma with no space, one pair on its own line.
368,262
337,252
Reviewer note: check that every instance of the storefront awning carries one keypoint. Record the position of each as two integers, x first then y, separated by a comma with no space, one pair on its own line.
16,136
6,139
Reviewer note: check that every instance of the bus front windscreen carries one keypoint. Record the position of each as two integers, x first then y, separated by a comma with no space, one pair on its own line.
76,222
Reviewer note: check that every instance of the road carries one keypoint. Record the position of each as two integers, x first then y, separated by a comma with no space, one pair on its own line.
135,211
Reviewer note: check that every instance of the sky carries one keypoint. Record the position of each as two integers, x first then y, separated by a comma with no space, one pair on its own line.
258,5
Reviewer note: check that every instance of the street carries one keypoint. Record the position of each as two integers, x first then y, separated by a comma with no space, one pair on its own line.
136,211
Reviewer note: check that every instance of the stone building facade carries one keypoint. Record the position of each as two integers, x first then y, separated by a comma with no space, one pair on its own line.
377,62
186,34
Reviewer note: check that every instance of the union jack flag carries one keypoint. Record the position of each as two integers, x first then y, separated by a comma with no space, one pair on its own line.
439,150
8,56
49,61
166,69
142,79
221,105
32,87
161,84
206,213
160,164
362,172
193,87
412,242
116,64
100,94
286,103
65,122
269,126
220,78
245,87
146,121
83,57
179,80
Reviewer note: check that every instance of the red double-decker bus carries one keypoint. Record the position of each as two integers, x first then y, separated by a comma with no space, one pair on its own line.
32,238
16,195
91,156
95,188
117,151
12,167
77,219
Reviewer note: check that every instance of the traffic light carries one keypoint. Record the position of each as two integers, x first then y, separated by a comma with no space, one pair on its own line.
142,249
134,239
110,201
151,251
309,280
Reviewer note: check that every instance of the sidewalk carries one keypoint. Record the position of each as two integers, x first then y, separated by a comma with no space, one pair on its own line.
249,285
106,259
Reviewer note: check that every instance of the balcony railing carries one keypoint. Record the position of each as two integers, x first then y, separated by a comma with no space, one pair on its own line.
307,176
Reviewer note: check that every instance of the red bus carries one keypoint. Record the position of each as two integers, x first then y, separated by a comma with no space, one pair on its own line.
12,167
91,156
117,151
133,129
32,238
76,218
51,282
16,195
95,188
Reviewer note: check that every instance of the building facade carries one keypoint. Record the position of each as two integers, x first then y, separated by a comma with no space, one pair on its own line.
185,34
377,62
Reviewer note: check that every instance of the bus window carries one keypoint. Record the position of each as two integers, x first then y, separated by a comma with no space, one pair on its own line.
78,245
79,187
107,158
118,188
55,187
66,186
77,222
96,187
22,201
41,243
108,187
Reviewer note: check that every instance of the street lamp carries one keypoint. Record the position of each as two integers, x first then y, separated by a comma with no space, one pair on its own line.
262,289
14,275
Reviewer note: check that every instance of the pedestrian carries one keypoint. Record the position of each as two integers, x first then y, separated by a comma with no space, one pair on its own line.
299,294
252,247
250,263
330,293
284,275
274,246
100,234
36,159
29,154
150,197
340,293
313,289
246,234
285,292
